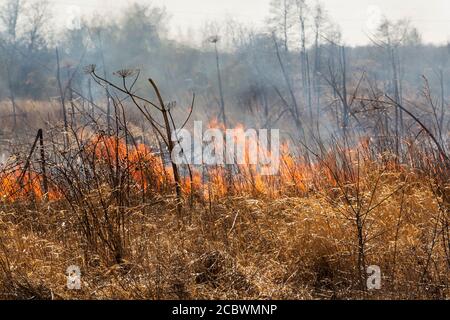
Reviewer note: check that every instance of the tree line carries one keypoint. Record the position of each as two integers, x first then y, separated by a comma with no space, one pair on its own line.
297,67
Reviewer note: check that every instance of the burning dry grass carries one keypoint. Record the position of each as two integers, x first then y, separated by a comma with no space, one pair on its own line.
308,233
235,247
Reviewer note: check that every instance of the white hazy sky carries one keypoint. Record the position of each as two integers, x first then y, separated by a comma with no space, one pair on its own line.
431,17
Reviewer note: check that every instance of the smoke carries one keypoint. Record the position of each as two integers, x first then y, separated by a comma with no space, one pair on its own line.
299,89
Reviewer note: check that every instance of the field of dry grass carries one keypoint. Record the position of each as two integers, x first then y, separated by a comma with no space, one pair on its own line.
29,113
309,233
133,144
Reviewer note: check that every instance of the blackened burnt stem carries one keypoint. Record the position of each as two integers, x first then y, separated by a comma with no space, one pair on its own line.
191,178
170,145
43,162
167,137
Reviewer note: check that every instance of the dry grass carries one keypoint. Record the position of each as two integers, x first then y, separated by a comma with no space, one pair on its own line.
30,114
306,234
235,248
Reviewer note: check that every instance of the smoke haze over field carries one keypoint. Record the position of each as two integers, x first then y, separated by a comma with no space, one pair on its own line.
432,18
262,63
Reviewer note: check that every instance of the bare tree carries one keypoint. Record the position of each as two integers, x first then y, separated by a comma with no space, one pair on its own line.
62,97
319,18
442,112
37,17
9,16
281,20
390,36
302,9
215,40
293,106
336,77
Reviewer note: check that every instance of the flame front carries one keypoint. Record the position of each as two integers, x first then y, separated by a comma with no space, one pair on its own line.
147,171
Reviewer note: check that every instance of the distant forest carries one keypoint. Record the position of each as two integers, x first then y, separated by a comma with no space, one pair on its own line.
297,62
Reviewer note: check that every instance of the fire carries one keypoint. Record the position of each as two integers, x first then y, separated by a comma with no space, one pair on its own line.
146,171
13,188
246,177
142,164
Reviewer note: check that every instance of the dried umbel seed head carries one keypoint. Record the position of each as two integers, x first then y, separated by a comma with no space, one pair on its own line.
125,73
89,68
214,39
